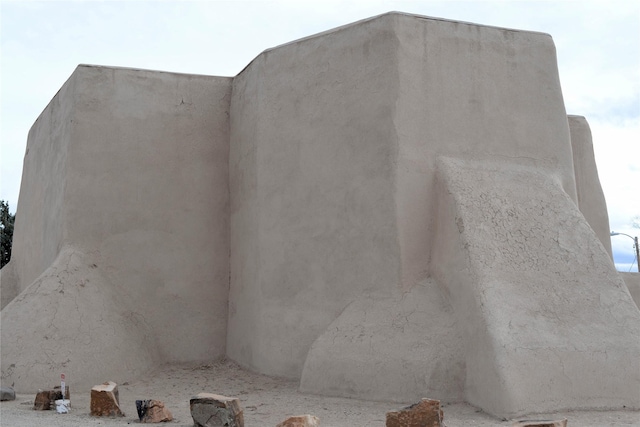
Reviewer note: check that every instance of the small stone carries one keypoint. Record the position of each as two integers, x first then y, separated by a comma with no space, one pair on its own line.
43,400
213,410
540,423
7,393
105,401
46,399
300,421
426,413
155,412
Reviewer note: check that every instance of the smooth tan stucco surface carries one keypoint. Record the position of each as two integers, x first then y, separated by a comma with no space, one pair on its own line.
39,225
590,196
394,348
393,209
632,280
312,190
128,169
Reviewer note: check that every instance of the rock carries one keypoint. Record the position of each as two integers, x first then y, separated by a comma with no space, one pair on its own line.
300,421
43,400
152,411
46,399
105,401
426,413
213,410
540,423
7,393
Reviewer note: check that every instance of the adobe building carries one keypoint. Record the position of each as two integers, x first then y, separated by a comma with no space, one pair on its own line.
394,209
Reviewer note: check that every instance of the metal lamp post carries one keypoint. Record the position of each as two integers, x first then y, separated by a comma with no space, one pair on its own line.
635,241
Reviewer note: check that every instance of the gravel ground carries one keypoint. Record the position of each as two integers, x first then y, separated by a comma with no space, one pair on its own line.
266,402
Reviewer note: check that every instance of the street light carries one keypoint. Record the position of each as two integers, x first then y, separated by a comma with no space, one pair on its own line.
635,243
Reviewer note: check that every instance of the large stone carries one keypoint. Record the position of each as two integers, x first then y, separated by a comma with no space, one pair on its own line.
540,423
153,411
105,401
213,410
426,413
300,421
7,393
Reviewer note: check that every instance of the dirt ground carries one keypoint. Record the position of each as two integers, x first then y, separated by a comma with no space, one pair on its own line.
266,402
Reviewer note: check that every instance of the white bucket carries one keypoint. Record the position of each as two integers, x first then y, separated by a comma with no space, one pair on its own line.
63,405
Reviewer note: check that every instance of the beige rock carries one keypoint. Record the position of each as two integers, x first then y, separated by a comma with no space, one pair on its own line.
426,413
105,401
300,421
540,423
213,410
156,413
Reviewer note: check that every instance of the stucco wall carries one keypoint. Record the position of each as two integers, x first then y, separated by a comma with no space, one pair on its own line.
632,280
546,320
148,188
401,92
337,150
8,284
129,170
313,223
465,90
39,225
401,181
72,319
470,91
398,347
590,195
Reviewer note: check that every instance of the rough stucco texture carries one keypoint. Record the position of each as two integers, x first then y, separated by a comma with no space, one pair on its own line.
129,168
74,320
546,318
475,92
392,209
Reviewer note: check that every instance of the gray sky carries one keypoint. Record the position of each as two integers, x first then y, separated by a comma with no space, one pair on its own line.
598,48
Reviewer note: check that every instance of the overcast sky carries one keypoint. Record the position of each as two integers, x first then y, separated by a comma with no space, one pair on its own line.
598,47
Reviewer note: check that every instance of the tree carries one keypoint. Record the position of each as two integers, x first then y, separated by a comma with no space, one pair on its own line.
6,232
